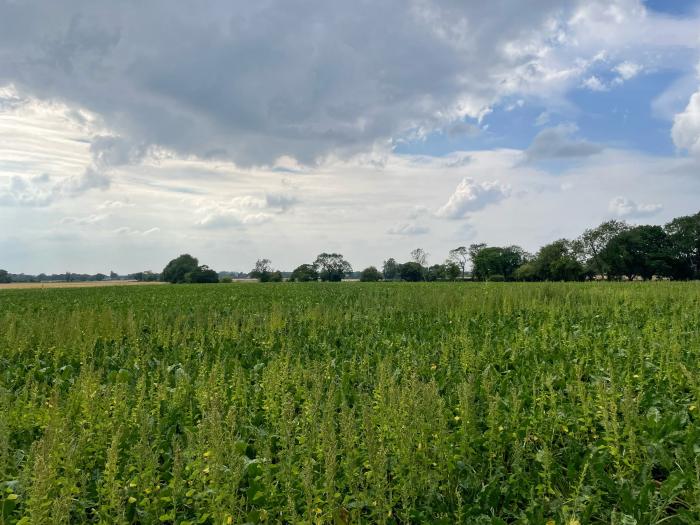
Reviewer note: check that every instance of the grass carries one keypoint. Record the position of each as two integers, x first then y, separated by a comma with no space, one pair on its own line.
351,403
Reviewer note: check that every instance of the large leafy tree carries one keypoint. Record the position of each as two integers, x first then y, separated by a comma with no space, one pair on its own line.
684,242
264,273
449,271
452,270
370,274
332,267
593,241
4,277
186,269
176,271
497,261
460,256
420,256
557,262
390,269
435,273
411,271
474,249
642,251
304,273
202,274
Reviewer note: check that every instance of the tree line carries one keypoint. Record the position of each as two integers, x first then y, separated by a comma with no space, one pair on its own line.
614,250
6,277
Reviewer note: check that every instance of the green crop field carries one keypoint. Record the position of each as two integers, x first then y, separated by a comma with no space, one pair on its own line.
351,403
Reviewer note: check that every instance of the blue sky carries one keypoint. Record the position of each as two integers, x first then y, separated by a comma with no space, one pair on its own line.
132,132
622,116
673,7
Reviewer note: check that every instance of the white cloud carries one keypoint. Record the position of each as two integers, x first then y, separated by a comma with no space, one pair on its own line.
627,70
26,191
418,211
472,196
594,84
626,208
115,205
236,212
686,126
126,230
85,220
543,118
408,228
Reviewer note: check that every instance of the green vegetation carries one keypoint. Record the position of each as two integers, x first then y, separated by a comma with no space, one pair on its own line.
186,269
371,274
351,403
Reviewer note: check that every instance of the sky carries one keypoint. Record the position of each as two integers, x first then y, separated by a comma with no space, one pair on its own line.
132,132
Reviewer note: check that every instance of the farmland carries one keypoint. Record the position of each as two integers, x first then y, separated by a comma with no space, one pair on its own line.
351,403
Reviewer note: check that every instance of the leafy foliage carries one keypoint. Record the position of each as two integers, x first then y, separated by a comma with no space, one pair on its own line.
176,271
411,271
264,273
332,267
370,274
495,261
390,270
642,251
304,273
186,269
357,403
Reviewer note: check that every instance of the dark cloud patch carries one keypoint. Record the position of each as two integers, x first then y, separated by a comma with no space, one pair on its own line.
253,81
559,143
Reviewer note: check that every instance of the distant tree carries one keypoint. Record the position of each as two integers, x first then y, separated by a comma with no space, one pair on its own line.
684,244
100,277
275,277
370,274
113,276
452,270
5,277
492,261
642,251
411,271
226,279
526,272
593,241
474,249
390,269
202,274
304,273
460,256
420,256
554,262
449,271
435,273
263,270
332,267
177,269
